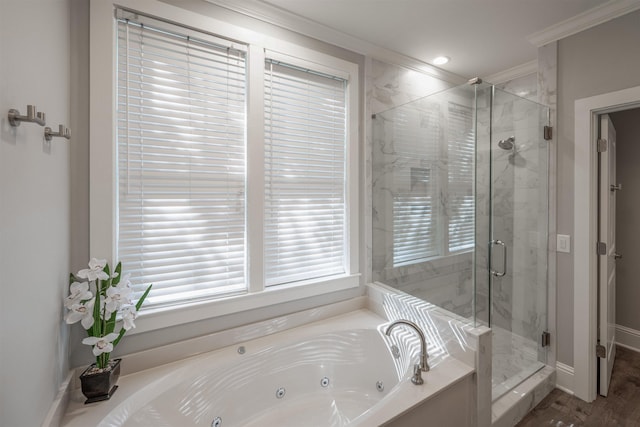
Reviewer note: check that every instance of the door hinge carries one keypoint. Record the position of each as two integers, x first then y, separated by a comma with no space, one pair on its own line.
601,351
548,133
602,248
546,339
602,145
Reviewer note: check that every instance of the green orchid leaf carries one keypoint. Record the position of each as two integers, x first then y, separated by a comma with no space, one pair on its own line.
111,324
120,335
144,295
97,323
118,272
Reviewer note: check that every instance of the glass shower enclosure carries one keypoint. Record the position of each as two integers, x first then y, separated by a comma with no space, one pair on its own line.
460,215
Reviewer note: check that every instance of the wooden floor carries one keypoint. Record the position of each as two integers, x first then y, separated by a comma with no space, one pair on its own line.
620,408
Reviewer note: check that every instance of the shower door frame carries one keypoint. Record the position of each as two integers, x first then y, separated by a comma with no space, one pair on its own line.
549,305
585,280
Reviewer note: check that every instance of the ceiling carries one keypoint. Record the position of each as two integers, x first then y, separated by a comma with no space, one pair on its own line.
482,37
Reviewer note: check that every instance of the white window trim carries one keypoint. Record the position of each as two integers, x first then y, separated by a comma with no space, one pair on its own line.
103,196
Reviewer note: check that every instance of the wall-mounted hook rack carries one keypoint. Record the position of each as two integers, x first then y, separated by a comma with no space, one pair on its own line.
63,132
33,116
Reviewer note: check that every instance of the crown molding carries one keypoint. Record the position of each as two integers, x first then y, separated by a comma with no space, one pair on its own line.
512,73
583,21
274,15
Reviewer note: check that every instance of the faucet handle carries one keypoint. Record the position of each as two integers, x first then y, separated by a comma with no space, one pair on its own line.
417,374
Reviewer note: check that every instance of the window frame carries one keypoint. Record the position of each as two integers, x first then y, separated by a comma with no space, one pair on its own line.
103,147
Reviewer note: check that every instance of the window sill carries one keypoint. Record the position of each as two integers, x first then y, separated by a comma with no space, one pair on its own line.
439,260
164,317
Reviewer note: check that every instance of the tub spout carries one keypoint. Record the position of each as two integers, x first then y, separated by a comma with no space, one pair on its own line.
423,365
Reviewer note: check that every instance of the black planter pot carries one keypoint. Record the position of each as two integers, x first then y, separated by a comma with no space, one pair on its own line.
100,385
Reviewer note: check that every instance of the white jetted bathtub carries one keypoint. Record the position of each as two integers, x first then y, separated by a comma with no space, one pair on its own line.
335,372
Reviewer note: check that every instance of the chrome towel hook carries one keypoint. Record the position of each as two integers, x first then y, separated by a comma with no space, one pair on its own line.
33,116
63,132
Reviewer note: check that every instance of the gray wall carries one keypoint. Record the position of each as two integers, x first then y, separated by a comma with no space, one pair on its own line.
34,209
602,59
627,124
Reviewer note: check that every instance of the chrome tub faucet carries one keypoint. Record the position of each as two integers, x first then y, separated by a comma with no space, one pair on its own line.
422,365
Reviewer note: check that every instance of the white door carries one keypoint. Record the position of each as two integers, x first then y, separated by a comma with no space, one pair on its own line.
607,262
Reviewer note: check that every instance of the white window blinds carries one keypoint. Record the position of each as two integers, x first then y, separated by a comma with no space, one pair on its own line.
305,157
181,106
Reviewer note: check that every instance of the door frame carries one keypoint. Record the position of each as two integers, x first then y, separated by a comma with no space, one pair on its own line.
585,236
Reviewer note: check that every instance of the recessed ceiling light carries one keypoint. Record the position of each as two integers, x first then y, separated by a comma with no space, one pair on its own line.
441,60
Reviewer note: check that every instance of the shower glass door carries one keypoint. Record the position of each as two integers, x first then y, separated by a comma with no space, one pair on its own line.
518,165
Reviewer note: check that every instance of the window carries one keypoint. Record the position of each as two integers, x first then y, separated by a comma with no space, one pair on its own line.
305,158
433,205
181,161
187,200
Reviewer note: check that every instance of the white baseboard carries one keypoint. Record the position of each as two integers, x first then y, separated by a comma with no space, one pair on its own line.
564,377
625,337
628,338
59,405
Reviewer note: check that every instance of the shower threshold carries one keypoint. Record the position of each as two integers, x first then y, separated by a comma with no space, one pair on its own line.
515,358
499,390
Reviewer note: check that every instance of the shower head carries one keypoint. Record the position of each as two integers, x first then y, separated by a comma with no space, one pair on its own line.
507,144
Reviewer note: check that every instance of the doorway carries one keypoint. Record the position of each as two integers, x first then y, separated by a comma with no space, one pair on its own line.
627,320
587,112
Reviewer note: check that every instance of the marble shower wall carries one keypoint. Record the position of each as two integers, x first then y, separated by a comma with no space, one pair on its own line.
388,86
409,160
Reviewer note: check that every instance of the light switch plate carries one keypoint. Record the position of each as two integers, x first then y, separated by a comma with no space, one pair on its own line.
563,243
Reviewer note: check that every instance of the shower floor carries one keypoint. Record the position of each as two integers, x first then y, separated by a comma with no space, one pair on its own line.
514,359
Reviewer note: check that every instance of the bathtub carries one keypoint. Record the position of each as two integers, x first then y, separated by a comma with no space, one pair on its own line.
336,372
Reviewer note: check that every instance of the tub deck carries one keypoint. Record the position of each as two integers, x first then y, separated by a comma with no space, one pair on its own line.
357,406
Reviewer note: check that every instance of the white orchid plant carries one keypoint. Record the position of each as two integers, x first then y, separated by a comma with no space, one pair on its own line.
96,296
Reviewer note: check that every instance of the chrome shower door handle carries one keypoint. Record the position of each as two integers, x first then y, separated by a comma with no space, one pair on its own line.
504,258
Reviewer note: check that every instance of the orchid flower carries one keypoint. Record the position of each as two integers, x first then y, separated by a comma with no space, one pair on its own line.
78,291
101,344
95,270
96,301
129,314
117,296
82,312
